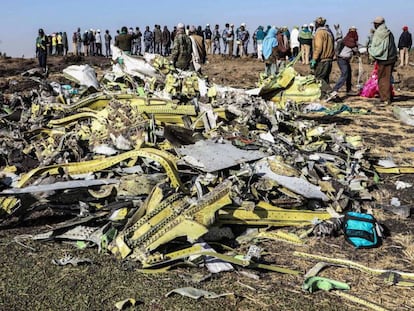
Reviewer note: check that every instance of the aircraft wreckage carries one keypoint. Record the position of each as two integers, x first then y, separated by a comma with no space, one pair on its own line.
149,154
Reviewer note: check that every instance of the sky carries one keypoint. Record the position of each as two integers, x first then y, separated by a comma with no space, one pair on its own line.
21,19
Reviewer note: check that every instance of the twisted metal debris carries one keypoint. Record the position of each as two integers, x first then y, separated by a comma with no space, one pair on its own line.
135,132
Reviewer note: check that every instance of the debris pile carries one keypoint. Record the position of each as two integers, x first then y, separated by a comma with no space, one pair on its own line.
154,163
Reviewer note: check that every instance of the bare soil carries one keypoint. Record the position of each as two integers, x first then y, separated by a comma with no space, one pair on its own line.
29,281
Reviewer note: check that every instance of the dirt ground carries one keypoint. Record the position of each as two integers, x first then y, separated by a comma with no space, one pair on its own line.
29,280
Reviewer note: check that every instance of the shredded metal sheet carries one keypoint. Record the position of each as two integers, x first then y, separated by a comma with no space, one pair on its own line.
210,156
60,185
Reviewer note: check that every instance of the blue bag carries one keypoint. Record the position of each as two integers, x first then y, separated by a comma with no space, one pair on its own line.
362,230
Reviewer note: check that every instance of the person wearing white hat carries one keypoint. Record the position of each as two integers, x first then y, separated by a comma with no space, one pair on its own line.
312,28
98,43
384,51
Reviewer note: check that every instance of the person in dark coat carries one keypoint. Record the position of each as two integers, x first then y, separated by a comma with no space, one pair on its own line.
124,40
404,45
41,49
166,41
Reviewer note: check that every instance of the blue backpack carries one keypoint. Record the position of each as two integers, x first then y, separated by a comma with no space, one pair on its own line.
362,230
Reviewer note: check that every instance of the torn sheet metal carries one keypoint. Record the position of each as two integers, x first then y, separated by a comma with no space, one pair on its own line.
213,264
83,75
295,184
133,66
156,202
70,260
209,156
195,293
60,185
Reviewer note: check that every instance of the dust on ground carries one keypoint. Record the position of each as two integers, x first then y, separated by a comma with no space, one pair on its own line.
29,281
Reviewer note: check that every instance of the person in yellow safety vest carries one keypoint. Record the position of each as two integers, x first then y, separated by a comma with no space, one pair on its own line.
54,44
41,49
59,43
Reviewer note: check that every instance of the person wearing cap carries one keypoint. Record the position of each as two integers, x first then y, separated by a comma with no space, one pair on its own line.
305,40
181,54
404,45
384,51
207,38
323,52
41,49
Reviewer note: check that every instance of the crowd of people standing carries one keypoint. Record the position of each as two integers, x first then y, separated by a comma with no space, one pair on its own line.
188,46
